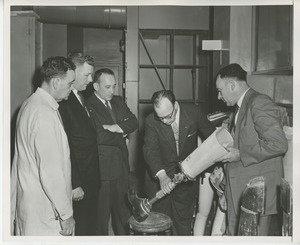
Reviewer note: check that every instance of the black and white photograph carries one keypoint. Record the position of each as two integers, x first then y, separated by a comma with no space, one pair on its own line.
150,121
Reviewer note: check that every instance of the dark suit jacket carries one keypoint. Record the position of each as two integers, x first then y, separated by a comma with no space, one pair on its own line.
160,147
112,148
83,146
262,143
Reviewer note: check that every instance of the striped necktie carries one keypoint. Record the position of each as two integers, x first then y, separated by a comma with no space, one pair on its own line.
237,108
112,114
83,102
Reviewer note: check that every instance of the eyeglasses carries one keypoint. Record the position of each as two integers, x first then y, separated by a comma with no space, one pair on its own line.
167,117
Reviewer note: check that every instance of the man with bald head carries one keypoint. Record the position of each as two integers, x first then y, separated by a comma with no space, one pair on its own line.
171,134
259,144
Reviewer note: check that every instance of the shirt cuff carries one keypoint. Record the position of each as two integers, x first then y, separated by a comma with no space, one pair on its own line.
121,130
160,171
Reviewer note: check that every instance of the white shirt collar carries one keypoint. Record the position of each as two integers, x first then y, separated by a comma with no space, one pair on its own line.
239,103
75,91
177,115
47,97
102,100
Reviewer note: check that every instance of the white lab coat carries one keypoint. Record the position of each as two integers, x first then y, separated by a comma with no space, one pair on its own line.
41,171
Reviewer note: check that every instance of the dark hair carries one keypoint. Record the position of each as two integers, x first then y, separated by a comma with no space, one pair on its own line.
158,95
79,58
55,67
99,72
233,71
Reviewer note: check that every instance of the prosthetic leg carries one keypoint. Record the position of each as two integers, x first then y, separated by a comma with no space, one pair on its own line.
206,195
212,149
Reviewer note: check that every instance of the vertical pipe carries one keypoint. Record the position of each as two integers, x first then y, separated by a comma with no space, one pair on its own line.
132,72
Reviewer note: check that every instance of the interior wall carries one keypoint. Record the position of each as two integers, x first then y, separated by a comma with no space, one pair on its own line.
174,17
54,40
101,44
221,30
278,87
168,18
104,46
74,39
22,60
25,39
241,34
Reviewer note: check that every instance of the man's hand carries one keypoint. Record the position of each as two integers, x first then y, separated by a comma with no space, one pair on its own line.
77,194
233,155
166,183
67,226
115,128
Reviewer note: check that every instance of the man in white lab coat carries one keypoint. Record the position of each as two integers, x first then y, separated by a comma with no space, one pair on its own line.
41,192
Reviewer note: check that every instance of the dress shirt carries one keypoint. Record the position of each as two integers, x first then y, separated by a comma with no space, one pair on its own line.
75,91
177,122
239,103
103,101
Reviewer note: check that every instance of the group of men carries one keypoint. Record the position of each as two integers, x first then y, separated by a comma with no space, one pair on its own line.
71,161
71,158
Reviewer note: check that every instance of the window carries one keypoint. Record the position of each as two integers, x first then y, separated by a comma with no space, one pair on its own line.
273,43
173,60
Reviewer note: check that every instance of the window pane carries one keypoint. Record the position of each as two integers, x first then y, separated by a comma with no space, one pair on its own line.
273,37
183,50
182,85
149,82
158,47
203,84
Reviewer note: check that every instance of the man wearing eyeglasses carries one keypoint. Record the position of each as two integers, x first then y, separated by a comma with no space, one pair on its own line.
171,133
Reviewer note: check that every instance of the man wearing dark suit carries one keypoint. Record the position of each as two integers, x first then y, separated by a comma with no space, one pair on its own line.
171,134
259,144
83,148
114,121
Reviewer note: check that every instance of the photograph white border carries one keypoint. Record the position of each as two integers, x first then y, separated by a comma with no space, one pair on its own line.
5,150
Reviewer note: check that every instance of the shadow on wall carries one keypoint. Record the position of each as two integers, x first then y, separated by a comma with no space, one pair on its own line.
36,82
13,133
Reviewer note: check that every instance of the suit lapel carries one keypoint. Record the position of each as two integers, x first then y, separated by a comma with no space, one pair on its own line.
183,131
115,109
168,134
241,114
73,99
102,110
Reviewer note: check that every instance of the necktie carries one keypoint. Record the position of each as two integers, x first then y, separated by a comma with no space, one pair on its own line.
234,119
83,102
237,109
81,98
112,114
176,135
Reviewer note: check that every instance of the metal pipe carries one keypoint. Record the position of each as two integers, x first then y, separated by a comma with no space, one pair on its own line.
107,17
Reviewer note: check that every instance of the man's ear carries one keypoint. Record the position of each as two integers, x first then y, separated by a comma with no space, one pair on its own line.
232,85
96,86
55,82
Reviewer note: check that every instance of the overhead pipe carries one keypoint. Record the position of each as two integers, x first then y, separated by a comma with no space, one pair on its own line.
107,17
